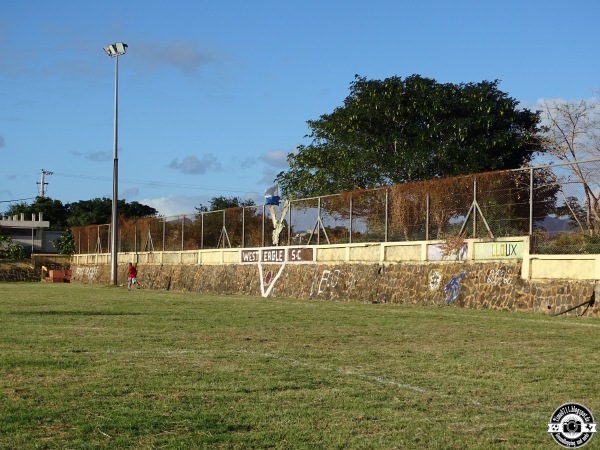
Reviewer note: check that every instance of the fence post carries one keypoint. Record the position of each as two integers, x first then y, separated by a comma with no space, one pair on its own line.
350,239
427,217
164,232
319,221
474,211
201,231
243,225
530,201
385,239
182,232
262,241
290,224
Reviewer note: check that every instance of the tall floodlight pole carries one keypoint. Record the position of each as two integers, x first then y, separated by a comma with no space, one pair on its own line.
114,51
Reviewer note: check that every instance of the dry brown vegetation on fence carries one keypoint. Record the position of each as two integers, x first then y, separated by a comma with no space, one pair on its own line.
494,204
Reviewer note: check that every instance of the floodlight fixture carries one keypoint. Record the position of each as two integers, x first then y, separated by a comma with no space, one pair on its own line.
114,51
117,49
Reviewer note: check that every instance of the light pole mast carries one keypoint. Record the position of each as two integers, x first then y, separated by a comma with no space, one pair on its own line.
114,51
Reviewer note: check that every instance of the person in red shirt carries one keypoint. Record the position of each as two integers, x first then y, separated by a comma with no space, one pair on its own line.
131,276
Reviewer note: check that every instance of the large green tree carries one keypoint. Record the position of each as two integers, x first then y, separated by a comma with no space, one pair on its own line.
84,212
54,211
396,130
99,211
221,202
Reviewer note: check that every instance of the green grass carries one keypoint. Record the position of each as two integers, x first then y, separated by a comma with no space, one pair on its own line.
100,367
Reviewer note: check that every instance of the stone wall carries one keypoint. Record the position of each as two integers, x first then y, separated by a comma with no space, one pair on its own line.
31,270
493,285
18,272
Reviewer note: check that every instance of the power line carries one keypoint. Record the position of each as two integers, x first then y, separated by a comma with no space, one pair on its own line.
17,200
150,183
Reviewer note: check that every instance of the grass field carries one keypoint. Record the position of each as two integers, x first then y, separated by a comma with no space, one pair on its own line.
101,367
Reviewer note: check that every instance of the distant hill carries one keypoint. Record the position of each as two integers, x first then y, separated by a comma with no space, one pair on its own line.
555,225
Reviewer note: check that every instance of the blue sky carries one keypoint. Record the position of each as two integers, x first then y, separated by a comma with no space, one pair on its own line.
214,95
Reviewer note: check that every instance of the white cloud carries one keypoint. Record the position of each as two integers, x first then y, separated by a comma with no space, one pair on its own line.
178,205
268,176
248,162
274,162
130,193
276,158
175,205
184,55
94,156
190,165
99,156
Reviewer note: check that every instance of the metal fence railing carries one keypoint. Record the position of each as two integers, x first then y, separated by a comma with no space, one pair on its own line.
557,205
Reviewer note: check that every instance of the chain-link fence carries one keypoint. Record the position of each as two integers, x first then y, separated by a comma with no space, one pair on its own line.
557,205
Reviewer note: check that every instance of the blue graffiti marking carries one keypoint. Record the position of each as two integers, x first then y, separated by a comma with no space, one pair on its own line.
453,288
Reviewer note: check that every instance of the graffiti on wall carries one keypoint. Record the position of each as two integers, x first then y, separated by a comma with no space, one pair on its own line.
435,279
268,280
89,272
268,277
499,277
452,289
328,280
436,252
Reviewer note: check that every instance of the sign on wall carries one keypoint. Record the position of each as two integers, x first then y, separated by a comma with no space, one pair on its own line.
499,250
277,255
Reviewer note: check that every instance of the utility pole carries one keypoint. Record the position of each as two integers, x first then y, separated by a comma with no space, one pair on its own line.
42,183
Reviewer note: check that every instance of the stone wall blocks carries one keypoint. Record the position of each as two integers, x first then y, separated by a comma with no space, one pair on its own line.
491,285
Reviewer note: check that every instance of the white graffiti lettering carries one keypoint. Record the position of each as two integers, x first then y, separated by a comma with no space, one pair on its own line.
329,279
324,279
499,276
335,277
89,272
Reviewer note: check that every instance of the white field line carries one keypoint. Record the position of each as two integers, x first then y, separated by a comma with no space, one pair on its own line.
353,374
287,359
315,366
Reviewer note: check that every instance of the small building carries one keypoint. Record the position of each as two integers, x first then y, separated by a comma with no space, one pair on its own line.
33,235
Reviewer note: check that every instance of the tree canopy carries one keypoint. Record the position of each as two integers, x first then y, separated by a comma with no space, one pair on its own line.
398,130
84,212
53,211
99,211
221,202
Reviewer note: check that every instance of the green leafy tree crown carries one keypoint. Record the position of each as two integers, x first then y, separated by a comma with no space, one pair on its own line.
397,130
